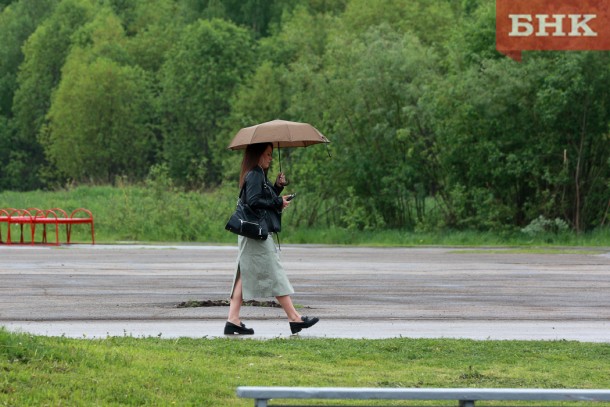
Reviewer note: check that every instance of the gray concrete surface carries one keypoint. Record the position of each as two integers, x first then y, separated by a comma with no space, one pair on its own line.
97,291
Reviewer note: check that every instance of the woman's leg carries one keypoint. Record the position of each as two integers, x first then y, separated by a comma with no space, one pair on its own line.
286,303
234,325
297,323
235,303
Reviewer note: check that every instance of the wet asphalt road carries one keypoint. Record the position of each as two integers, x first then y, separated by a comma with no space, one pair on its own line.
96,291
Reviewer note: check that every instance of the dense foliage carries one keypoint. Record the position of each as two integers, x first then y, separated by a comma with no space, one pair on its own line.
431,128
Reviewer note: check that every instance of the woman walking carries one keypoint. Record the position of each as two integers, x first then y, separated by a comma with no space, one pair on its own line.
259,271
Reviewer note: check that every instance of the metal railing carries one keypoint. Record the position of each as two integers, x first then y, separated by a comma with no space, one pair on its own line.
466,397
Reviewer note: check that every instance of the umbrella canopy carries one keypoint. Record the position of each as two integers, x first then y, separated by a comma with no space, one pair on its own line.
281,133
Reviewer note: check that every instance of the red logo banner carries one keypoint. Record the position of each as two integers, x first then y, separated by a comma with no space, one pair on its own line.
539,25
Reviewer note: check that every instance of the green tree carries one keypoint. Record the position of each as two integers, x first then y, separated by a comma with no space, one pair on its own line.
381,124
261,98
152,28
256,15
198,80
517,141
99,124
45,52
473,40
483,121
4,3
366,99
573,103
430,21
17,22
297,50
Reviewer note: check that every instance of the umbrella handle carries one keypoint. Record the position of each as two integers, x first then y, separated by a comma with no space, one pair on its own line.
279,157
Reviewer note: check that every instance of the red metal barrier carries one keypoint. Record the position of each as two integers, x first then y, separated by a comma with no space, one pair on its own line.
55,217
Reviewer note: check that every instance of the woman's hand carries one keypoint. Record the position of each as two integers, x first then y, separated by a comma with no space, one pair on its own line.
281,180
286,201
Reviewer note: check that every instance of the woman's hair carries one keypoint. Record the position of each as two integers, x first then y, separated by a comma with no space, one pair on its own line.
252,156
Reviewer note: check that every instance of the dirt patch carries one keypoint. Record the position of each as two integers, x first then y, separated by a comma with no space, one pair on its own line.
225,303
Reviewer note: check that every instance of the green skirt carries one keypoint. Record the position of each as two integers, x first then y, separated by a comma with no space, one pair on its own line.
262,274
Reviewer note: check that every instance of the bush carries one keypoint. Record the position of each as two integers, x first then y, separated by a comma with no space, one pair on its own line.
542,225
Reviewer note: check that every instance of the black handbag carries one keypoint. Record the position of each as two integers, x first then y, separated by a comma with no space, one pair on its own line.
247,222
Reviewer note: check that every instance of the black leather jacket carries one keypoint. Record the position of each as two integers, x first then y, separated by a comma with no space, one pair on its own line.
261,195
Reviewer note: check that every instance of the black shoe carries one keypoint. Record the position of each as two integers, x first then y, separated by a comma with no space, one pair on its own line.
296,327
232,329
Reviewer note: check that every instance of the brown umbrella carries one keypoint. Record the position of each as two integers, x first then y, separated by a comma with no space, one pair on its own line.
281,133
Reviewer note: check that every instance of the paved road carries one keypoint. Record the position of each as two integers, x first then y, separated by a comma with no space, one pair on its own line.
95,291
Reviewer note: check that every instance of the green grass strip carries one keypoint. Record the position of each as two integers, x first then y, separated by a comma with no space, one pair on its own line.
115,371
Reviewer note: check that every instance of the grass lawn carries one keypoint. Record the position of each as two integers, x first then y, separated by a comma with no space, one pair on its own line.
36,371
